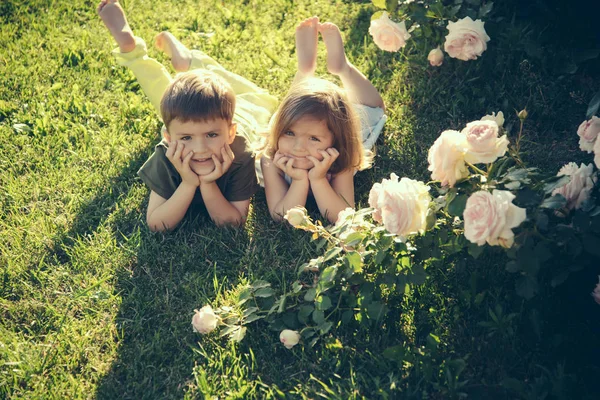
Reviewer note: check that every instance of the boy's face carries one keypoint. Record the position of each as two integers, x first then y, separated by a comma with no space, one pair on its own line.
205,139
305,138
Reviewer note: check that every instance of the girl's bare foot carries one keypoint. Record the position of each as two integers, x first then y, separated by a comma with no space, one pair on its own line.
306,46
181,56
336,57
113,16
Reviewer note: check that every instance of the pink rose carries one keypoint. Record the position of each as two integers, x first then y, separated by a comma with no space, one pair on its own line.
596,292
447,158
387,34
466,39
499,118
289,338
401,205
588,131
490,217
436,57
579,188
484,145
205,320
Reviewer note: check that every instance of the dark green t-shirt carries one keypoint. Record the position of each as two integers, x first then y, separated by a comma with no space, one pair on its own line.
237,184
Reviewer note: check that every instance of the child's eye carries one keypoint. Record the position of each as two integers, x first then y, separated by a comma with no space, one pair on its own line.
289,133
212,135
315,139
185,138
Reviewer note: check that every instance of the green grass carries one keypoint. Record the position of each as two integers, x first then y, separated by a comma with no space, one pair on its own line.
94,305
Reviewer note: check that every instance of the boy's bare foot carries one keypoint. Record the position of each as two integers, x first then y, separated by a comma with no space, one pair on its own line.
113,16
306,46
181,56
336,57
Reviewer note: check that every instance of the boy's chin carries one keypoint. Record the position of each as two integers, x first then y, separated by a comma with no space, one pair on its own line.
202,169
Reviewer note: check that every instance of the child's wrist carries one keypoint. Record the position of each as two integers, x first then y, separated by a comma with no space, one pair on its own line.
188,185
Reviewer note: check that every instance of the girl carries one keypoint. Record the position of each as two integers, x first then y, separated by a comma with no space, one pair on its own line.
320,132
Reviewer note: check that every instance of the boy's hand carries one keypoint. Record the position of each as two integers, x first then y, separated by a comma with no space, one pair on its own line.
220,167
319,171
182,165
286,164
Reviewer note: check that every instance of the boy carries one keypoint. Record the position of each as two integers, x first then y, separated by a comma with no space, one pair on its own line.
204,159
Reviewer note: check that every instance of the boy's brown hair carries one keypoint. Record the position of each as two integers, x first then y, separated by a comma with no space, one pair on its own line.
197,95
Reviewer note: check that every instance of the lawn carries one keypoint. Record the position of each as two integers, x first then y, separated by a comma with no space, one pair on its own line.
94,305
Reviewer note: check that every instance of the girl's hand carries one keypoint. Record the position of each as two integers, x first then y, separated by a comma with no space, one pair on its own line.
182,164
319,171
220,167
286,164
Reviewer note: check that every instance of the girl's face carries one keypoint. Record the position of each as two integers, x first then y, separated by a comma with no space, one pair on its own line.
305,138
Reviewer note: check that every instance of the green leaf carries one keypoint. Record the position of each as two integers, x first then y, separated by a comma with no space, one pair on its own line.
457,205
354,238
559,278
354,262
252,318
264,292
260,284
555,202
328,274
432,341
591,244
304,312
239,334
512,267
325,327
556,182
318,316
379,3
418,276
475,250
526,287
323,303
376,15
347,316
331,253
514,185
376,310
391,6
310,294
485,9
593,106
249,311
394,353
281,304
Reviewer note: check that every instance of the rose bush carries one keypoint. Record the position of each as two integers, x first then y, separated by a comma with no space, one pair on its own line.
447,158
204,320
483,143
579,187
588,132
435,57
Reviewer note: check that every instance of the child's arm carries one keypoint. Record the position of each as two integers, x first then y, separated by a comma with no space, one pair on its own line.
331,197
221,210
165,214
334,197
281,196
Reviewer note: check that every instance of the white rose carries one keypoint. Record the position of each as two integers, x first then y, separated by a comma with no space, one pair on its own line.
596,292
490,217
387,34
484,145
401,205
447,158
289,338
296,216
436,57
597,154
579,188
466,39
499,118
588,131
205,320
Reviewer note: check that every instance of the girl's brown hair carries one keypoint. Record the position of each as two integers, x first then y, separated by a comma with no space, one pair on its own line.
322,100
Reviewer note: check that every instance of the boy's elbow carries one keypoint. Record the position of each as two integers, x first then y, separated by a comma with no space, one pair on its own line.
156,226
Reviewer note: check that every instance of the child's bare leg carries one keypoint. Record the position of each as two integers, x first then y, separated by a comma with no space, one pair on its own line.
181,56
357,86
306,48
113,16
